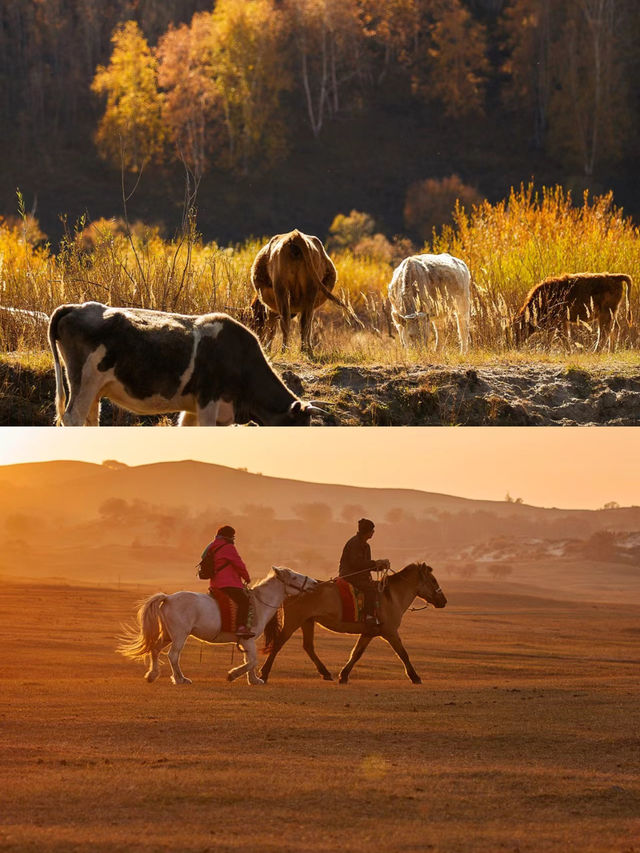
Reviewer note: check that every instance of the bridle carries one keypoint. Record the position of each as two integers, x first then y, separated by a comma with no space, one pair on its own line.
298,589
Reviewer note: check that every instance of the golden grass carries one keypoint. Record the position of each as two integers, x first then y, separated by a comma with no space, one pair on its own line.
509,247
521,737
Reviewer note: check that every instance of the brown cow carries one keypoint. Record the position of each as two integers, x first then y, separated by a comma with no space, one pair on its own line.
557,302
292,275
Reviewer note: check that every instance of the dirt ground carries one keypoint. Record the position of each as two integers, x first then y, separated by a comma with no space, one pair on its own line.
523,736
530,394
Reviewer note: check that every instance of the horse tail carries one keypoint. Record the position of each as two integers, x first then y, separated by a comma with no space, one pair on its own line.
138,642
273,627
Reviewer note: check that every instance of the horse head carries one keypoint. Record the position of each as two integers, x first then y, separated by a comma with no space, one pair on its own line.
294,582
428,587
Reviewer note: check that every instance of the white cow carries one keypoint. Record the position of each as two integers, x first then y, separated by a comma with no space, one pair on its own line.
422,284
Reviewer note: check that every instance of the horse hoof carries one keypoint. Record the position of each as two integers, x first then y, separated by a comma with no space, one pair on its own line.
229,677
343,680
327,677
416,680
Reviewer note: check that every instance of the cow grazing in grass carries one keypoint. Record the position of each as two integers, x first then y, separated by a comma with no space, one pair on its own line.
210,367
557,302
292,275
422,285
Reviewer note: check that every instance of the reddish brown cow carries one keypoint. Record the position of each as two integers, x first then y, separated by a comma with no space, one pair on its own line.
557,302
292,275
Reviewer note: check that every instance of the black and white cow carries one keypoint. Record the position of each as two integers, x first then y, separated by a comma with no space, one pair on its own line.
209,367
422,285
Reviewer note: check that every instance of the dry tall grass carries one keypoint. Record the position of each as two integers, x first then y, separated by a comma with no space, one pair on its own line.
508,247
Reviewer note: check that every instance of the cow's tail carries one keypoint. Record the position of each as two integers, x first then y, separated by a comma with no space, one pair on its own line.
323,287
61,394
138,642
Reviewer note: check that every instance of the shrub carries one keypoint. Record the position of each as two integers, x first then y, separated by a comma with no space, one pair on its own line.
431,204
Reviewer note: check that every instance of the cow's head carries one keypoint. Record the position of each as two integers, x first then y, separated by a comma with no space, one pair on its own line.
299,414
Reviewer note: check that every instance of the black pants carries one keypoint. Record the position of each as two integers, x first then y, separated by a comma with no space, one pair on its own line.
370,589
241,599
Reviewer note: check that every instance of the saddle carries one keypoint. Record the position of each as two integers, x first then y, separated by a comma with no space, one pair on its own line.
352,601
229,610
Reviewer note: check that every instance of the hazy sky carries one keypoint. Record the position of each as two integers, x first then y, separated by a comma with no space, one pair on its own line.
581,467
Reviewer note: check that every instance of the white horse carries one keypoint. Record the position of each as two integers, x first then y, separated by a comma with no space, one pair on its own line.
170,619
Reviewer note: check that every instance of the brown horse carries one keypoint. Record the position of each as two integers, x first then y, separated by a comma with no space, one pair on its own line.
323,605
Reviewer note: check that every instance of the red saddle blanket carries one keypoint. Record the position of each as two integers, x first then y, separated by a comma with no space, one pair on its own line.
229,611
352,601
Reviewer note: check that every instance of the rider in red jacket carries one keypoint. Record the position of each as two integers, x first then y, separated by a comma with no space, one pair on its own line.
230,574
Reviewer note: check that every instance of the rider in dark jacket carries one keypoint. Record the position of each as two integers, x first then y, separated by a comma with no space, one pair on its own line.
356,565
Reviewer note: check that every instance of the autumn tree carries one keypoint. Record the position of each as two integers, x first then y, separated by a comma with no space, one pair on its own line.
528,27
590,106
392,28
455,66
192,111
570,65
250,74
130,132
329,41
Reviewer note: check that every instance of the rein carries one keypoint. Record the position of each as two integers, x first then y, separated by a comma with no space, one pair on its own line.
426,606
299,589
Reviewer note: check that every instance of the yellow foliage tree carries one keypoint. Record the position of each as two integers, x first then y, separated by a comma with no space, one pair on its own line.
250,73
130,132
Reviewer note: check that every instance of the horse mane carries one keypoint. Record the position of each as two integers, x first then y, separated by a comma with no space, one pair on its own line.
391,577
270,575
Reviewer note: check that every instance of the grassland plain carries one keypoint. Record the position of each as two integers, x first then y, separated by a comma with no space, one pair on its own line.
523,736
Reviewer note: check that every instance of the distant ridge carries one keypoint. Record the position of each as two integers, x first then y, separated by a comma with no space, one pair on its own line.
83,486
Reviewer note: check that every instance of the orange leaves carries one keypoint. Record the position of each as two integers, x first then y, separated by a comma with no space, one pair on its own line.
191,105
458,63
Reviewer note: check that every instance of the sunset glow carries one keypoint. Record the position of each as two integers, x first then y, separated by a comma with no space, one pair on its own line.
577,467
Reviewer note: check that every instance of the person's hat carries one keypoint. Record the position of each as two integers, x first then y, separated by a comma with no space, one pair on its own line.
365,525
227,531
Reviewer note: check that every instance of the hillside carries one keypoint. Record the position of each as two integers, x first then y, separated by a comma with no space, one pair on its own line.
148,525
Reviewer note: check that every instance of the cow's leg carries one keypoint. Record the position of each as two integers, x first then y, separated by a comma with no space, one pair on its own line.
208,415
283,301
85,386
270,326
93,418
306,319
605,323
462,320
354,657
154,670
81,405
307,645
178,641
396,644
188,419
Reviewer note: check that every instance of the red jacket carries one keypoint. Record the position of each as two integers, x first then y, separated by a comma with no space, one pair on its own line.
229,565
